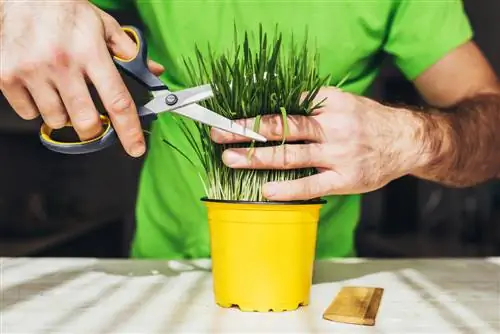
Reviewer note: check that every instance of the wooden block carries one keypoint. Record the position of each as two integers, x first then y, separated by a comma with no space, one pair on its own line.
355,305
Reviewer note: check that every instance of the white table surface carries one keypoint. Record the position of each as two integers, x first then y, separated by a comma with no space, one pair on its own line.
137,296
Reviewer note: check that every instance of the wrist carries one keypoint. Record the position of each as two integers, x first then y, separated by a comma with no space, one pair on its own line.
433,135
422,140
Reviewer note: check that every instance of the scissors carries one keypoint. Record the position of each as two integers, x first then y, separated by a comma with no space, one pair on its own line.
183,102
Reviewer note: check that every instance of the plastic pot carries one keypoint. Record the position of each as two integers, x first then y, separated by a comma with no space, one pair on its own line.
262,253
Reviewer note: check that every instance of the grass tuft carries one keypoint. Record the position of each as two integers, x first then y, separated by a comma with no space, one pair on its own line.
251,83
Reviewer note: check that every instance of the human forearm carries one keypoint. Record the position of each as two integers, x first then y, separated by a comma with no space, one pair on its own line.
460,146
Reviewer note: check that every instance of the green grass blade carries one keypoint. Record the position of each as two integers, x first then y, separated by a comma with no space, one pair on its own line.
285,124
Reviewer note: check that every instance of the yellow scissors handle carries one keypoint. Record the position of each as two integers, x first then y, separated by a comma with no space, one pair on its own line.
105,139
137,68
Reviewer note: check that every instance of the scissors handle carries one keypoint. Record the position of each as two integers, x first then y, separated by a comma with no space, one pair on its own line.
105,139
137,68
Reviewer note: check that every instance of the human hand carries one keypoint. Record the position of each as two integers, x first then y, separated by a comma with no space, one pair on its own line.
356,144
49,51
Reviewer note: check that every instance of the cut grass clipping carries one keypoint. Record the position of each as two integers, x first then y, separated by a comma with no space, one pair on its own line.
244,88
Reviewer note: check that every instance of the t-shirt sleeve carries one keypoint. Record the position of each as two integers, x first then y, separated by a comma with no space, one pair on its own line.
422,32
112,4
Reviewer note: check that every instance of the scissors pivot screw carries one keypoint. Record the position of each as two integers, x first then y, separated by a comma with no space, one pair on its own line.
171,99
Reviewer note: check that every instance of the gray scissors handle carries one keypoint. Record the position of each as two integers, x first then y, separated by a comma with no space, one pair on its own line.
137,68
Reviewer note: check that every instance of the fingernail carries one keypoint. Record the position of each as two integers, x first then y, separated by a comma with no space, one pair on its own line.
269,189
138,149
231,158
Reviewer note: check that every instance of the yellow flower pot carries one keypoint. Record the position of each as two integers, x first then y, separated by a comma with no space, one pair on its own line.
262,253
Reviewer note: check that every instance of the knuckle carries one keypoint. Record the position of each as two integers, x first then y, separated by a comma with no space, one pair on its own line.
7,78
274,125
302,121
84,49
218,136
57,57
347,125
56,122
28,67
248,123
332,90
23,68
320,154
291,157
110,22
131,132
78,104
121,103
54,116
345,101
83,115
87,124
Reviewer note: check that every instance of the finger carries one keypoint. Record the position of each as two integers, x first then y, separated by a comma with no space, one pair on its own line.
117,101
21,101
123,46
273,128
306,188
117,40
49,103
275,157
155,68
79,105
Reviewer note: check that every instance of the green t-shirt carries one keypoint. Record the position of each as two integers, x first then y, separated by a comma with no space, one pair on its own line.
351,36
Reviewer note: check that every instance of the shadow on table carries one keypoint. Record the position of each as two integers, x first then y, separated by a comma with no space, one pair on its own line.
148,267
36,287
338,271
44,283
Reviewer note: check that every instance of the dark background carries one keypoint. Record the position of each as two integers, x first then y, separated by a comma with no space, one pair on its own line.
58,205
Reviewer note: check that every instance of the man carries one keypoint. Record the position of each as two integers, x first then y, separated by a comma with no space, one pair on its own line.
49,49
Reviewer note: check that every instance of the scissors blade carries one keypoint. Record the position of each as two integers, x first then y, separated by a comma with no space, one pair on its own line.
203,115
193,95
184,97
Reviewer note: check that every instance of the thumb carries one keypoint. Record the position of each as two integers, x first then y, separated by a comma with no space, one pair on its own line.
123,46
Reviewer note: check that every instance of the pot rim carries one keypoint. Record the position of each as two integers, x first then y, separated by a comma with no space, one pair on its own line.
305,202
